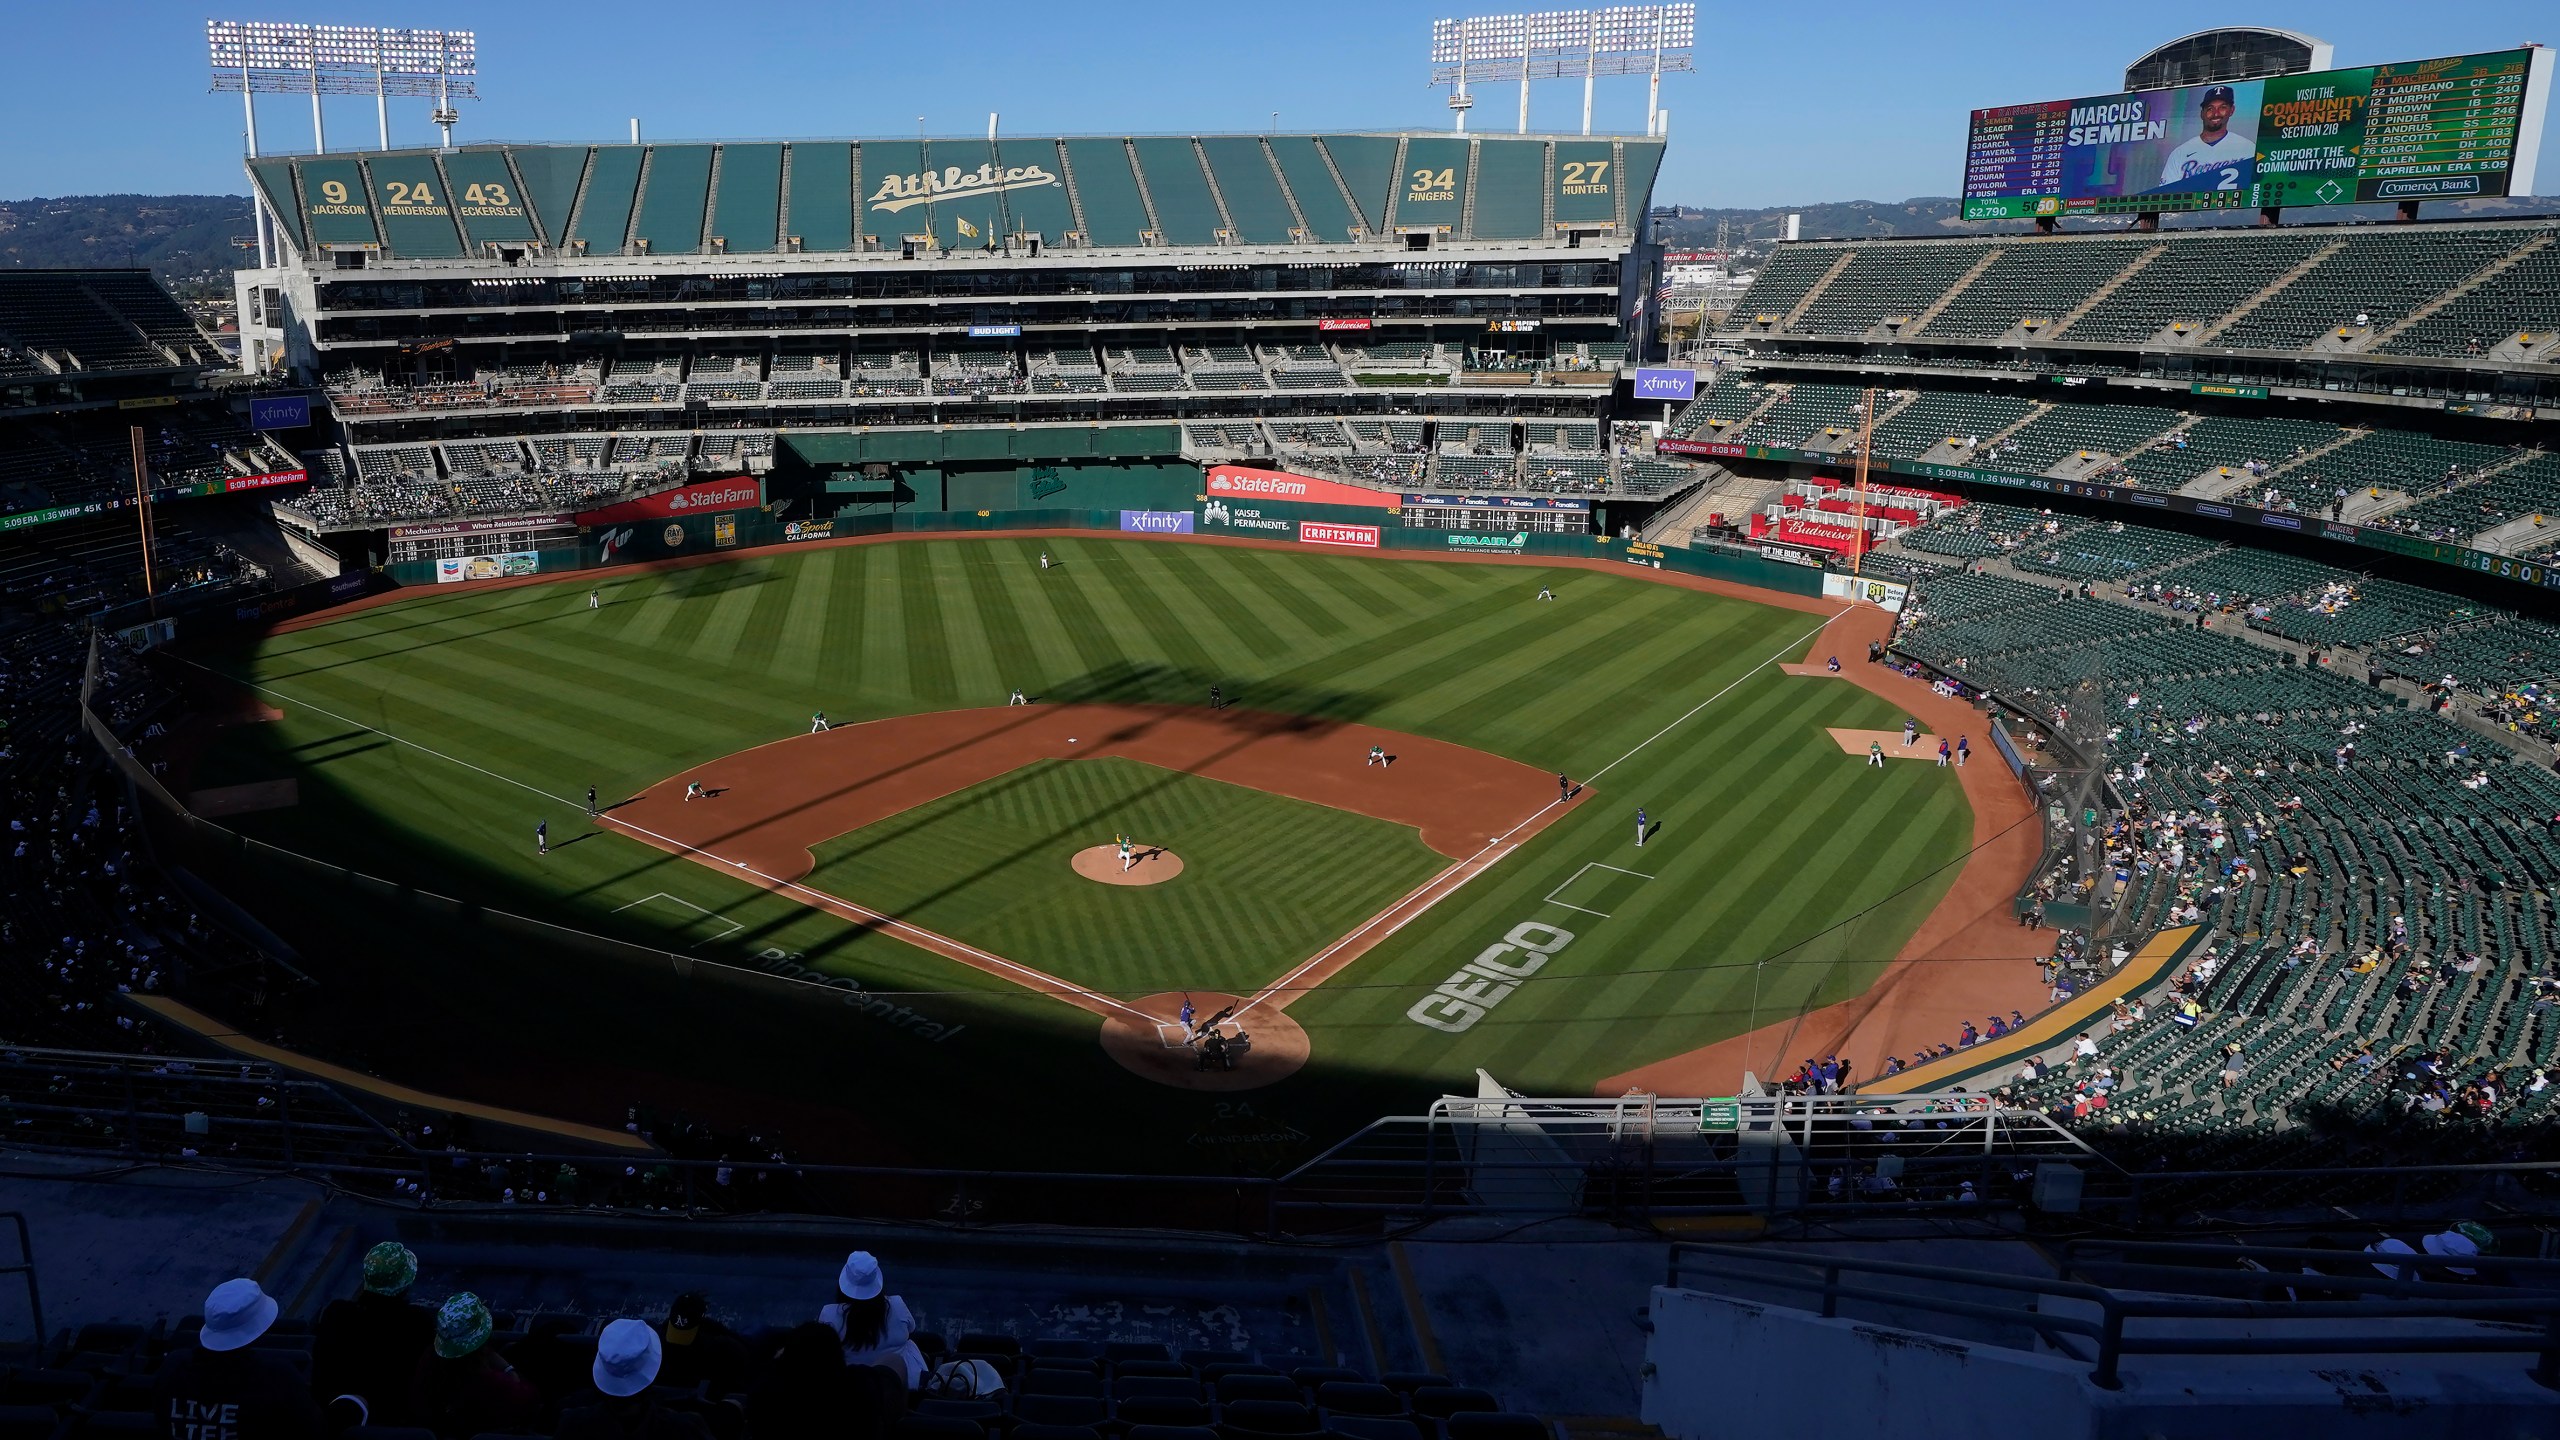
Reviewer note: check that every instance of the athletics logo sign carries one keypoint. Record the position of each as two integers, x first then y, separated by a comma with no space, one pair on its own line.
905,192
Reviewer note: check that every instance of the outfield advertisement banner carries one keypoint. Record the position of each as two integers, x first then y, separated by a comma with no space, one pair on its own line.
443,528
743,492
1322,532
1235,482
808,529
1498,502
1484,542
1888,593
1666,384
1156,522
261,482
453,569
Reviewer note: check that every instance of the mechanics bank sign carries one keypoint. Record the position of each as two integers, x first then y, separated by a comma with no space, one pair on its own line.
903,192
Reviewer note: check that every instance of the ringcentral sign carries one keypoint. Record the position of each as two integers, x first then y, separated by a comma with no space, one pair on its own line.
1466,997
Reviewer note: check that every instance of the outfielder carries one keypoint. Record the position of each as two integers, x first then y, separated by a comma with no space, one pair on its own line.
1641,826
541,837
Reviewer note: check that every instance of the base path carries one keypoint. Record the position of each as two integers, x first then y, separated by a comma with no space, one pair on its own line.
764,811
1969,958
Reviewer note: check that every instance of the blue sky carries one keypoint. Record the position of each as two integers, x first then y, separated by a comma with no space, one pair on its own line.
1794,103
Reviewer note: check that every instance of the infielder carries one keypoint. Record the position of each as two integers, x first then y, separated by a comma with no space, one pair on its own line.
1875,753
692,791
1377,756
818,723
591,802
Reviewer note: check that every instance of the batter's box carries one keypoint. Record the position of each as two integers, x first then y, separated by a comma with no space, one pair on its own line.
1597,889
704,925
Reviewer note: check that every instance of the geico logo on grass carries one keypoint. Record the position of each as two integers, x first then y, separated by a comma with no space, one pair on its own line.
901,192
1463,998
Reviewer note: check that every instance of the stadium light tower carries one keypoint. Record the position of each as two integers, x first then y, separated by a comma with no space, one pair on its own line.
264,57
1561,44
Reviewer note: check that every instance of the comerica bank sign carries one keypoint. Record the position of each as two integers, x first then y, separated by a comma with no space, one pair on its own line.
902,192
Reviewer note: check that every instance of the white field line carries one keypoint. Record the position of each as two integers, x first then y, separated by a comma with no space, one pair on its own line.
1486,858
922,938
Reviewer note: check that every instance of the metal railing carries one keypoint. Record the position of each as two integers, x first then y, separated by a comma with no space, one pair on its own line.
2099,1325
25,1269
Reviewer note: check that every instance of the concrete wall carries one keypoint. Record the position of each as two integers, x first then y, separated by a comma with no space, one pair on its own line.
1719,1366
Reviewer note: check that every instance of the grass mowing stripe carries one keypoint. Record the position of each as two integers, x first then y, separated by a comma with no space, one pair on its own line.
810,593
997,607
1279,574
928,663
1208,600
1098,649
977,674
726,622
1159,629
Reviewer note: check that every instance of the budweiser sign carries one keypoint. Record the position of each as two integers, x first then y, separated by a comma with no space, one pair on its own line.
1342,325
904,192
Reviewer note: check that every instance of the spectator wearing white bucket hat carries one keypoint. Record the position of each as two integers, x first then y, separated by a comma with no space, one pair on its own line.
628,1354
222,1385
875,1326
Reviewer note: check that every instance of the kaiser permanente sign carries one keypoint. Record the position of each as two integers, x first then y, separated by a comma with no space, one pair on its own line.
2506,567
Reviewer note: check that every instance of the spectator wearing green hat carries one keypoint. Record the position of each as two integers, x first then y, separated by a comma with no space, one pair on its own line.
369,1346
464,1386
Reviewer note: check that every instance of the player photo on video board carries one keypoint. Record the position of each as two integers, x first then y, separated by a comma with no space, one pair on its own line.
2163,142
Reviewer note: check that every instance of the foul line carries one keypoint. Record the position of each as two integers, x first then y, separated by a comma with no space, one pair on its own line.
921,938
1495,849
1448,882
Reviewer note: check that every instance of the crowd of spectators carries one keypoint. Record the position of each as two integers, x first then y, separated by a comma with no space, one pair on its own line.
404,1355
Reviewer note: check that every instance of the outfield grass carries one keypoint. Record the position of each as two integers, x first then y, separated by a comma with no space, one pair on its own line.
1785,873
1266,880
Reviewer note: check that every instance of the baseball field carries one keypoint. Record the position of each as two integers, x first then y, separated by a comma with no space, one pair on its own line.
921,852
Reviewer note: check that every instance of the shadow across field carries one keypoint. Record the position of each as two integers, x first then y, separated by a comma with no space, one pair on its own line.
1123,684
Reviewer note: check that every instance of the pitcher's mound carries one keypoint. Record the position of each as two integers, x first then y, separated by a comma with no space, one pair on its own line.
1149,865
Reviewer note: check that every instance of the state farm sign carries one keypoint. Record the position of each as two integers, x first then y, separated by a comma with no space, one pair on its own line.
743,493
1235,482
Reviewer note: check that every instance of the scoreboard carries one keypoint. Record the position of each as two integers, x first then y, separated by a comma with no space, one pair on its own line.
2467,125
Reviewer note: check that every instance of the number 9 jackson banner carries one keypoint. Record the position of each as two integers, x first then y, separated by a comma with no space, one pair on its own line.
2466,125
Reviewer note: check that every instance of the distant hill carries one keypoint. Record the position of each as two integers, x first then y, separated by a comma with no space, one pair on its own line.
185,239
1688,226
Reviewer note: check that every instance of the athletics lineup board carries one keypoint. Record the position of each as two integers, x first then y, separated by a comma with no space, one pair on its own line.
2428,129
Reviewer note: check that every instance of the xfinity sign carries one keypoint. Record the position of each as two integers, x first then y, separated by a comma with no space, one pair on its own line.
1665,384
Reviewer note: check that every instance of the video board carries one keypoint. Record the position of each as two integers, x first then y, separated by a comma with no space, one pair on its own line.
2467,125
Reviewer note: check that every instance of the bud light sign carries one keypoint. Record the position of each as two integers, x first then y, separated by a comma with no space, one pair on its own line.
1156,522
1666,384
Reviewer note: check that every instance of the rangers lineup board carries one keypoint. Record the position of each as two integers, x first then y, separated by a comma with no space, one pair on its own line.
2428,129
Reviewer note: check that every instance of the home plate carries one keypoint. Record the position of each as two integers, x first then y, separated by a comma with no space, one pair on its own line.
1855,742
